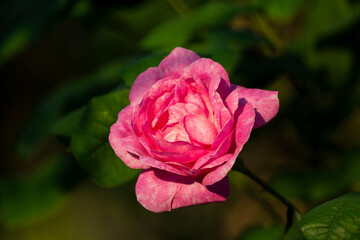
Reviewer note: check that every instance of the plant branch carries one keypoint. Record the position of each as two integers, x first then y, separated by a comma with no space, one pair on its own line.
240,167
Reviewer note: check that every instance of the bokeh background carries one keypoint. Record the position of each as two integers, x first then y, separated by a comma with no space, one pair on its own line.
56,55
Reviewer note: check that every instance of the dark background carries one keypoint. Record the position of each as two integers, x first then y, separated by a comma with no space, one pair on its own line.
55,55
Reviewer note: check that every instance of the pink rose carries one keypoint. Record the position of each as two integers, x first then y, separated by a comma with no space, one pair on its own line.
185,126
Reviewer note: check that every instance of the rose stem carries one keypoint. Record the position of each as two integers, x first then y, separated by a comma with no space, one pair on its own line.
240,167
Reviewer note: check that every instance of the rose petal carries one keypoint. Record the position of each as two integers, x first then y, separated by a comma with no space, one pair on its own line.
176,61
219,141
182,90
156,109
224,133
175,132
223,89
245,121
200,129
266,103
165,85
224,145
214,154
178,151
160,191
216,162
143,83
121,132
152,162
208,71
177,157
222,114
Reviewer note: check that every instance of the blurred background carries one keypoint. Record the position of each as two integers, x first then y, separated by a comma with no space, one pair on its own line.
56,55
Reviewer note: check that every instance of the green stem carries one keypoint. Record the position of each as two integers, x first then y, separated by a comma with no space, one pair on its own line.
240,167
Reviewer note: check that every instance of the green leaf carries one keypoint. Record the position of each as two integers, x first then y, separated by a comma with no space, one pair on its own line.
71,96
131,71
67,125
90,144
338,219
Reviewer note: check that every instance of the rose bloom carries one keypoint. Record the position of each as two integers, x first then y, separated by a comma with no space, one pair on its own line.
185,126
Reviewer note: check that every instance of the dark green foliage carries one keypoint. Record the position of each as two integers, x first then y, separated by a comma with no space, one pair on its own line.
90,143
338,219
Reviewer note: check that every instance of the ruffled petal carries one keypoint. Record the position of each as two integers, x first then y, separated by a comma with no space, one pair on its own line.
245,121
160,191
143,83
199,129
124,141
209,72
266,103
176,61
154,163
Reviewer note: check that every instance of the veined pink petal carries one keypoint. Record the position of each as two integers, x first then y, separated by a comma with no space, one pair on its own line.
160,191
232,101
121,132
222,114
195,99
176,61
179,151
214,77
156,109
216,162
182,90
245,121
224,145
221,149
200,129
266,103
208,71
223,89
178,157
221,139
161,87
177,112
175,133
143,83
154,163
138,117
225,131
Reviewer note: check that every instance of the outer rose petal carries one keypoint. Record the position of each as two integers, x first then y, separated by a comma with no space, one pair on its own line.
143,83
209,72
266,103
176,61
121,132
160,191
